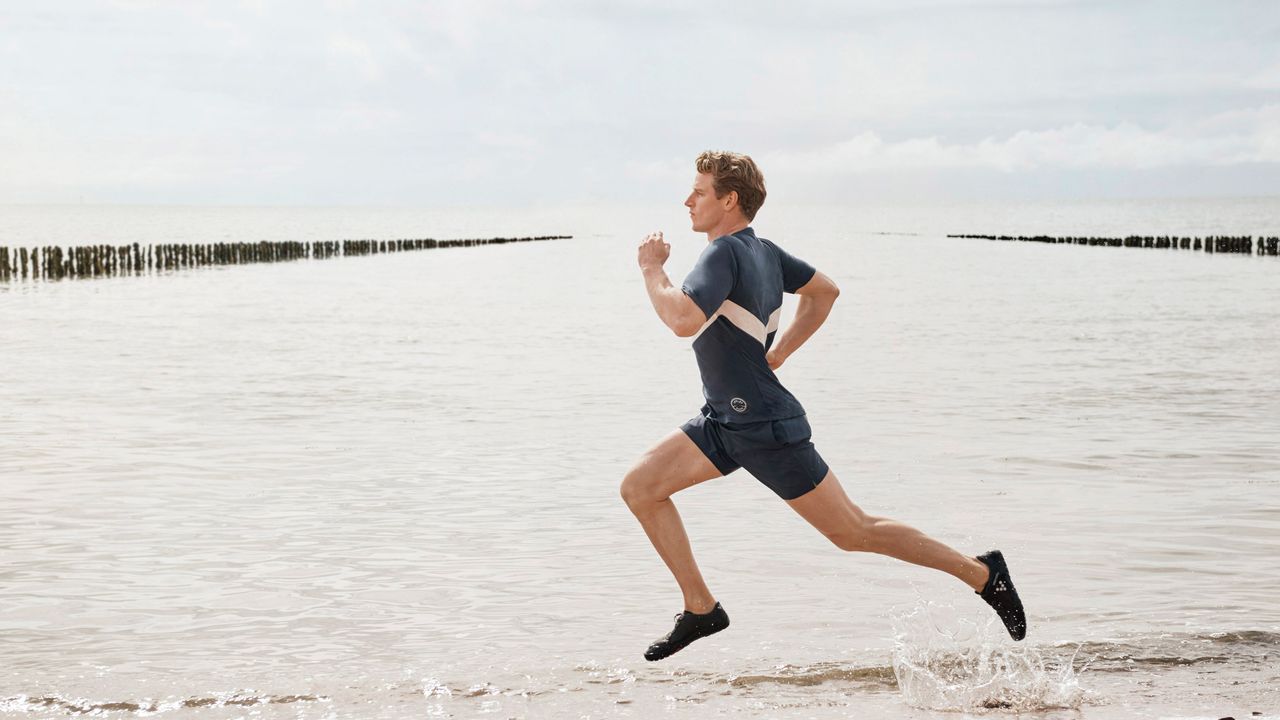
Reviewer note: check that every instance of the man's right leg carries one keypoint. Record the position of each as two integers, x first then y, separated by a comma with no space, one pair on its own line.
830,510
672,465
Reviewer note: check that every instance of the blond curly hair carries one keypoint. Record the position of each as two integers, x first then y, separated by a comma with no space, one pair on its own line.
734,172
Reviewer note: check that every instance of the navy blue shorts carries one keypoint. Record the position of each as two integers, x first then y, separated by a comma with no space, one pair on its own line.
777,452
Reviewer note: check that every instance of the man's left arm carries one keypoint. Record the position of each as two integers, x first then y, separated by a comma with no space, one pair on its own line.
816,298
677,310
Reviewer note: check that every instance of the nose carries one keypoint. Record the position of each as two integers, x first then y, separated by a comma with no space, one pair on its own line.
688,202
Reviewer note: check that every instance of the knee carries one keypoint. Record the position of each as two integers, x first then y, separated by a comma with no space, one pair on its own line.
850,540
637,490
857,535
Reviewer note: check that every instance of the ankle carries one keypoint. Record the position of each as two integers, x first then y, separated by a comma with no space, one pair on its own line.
700,606
980,574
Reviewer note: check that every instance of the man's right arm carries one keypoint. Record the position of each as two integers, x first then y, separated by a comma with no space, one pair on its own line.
816,298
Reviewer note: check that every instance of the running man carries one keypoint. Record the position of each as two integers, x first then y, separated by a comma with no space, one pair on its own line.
729,305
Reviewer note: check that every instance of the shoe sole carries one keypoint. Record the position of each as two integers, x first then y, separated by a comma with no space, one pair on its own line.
684,645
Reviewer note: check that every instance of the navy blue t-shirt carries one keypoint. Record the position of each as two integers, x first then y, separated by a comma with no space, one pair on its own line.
738,282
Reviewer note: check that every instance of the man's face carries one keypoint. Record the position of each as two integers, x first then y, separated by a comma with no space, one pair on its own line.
705,210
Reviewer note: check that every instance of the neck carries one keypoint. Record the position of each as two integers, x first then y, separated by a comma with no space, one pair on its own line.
728,226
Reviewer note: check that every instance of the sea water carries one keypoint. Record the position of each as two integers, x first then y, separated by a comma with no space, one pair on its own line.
386,486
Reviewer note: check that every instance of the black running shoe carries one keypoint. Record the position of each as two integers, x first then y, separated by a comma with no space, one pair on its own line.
689,627
1000,594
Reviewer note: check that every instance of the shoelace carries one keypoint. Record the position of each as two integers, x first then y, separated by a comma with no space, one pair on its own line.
667,637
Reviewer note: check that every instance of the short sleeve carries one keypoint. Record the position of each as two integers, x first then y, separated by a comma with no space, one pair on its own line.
711,279
796,273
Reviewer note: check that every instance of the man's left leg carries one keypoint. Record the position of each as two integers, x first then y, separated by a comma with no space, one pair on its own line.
672,465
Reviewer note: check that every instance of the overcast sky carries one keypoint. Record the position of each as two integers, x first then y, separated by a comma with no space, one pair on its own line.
550,102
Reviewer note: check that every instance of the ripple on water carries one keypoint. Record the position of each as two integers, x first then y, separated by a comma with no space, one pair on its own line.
82,706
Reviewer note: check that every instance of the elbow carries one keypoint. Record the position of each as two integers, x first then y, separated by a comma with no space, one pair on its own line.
686,328
687,324
829,289
821,288
824,294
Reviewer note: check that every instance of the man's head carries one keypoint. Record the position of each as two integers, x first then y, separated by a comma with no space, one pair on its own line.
727,182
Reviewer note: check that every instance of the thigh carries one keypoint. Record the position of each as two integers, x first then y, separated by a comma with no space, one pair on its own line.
828,509
672,465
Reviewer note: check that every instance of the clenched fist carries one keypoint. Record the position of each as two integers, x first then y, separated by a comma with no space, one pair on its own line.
654,251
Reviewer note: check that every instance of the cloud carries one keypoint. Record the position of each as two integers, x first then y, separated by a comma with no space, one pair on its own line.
507,141
1233,138
554,100
351,51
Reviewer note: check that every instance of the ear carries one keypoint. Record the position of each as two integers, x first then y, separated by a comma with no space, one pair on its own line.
731,200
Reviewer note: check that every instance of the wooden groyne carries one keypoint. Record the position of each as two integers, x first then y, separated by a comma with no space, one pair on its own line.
1239,244
57,262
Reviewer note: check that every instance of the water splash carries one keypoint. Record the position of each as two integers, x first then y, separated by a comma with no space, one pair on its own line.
944,661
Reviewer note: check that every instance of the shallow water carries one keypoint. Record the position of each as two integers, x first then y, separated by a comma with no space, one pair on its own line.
387,486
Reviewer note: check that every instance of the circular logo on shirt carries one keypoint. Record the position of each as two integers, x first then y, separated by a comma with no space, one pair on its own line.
738,404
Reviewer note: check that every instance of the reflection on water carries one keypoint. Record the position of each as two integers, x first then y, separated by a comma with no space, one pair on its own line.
387,486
